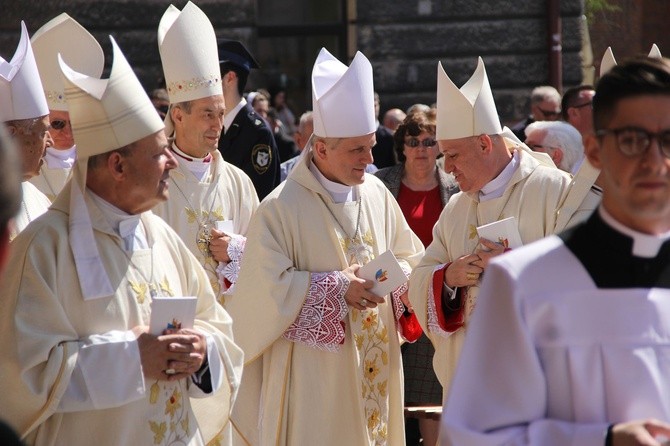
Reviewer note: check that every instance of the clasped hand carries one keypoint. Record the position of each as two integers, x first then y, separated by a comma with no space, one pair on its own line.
466,270
180,351
218,245
358,294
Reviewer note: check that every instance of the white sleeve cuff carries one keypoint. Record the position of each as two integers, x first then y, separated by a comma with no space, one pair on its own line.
113,354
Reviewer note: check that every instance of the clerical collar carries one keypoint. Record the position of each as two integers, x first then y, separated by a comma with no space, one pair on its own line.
340,193
60,159
496,187
199,167
230,115
644,245
124,224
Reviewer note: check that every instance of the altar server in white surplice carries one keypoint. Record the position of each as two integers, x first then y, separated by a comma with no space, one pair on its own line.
207,190
24,110
499,178
324,356
79,49
570,340
79,365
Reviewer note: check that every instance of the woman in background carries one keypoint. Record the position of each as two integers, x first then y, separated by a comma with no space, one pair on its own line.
422,190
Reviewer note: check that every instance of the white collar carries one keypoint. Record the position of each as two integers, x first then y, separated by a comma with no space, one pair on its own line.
230,116
126,225
496,187
60,159
340,193
199,167
644,245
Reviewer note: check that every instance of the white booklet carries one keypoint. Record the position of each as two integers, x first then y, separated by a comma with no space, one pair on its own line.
505,232
386,273
171,312
226,226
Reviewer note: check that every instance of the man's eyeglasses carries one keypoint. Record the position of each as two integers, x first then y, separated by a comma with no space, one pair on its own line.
550,113
414,142
59,124
633,141
585,104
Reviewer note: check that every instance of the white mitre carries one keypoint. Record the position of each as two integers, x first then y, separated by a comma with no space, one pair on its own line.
77,47
190,56
468,111
21,94
608,61
343,97
655,52
471,111
105,114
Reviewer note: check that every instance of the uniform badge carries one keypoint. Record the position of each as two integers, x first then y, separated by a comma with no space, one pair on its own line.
261,157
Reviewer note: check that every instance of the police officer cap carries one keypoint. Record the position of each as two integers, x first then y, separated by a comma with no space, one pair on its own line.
235,52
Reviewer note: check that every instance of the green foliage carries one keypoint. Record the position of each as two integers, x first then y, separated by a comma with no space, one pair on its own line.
591,7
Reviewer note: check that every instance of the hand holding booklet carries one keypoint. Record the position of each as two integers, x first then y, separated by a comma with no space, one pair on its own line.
171,312
505,232
385,272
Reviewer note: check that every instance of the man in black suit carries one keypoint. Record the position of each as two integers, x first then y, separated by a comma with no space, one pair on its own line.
382,152
247,141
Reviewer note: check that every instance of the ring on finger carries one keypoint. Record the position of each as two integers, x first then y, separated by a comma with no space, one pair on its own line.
471,276
170,372
364,302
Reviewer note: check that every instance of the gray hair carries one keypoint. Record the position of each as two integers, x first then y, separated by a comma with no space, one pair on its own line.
11,193
544,93
564,136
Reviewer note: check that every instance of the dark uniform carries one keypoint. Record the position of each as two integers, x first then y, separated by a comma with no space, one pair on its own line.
249,145
383,152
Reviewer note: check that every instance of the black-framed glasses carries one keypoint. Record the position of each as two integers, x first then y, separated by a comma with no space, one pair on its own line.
634,141
415,142
59,124
585,104
549,113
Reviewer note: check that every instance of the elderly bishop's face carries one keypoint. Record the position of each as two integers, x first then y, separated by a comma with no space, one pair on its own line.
149,165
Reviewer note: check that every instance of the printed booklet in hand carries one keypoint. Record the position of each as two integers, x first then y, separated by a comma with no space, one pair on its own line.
171,312
505,232
385,272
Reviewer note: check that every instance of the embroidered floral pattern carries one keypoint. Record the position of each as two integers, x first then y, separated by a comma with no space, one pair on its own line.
174,426
205,220
54,96
371,338
319,324
193,83
141,290
229,271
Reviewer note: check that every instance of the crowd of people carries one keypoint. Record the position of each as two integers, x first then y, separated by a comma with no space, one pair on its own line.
532,282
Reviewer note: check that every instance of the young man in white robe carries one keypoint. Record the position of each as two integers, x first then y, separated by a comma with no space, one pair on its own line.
207,190
79,364
24,110
569,343
323,351
499,177
79,49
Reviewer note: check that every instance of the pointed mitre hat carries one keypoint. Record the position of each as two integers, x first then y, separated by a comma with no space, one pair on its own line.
21,94
608,61
77,47
189,54
343,97
468,111
105,114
